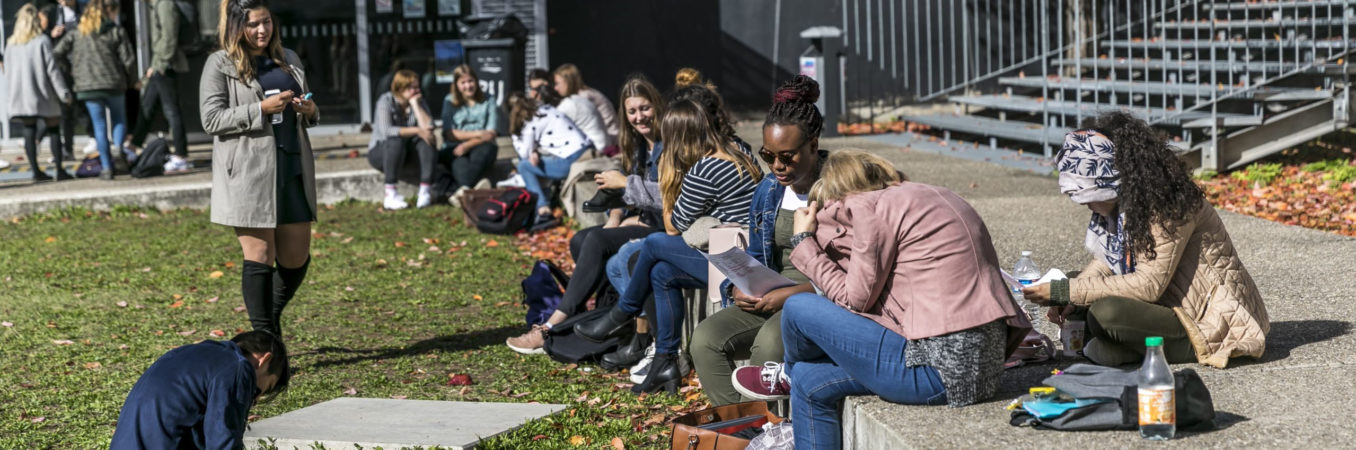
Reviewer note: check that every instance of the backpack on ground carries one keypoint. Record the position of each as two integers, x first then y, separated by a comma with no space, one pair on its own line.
190,35
89,168
151,161
510,212
1106,398
542,290
563,345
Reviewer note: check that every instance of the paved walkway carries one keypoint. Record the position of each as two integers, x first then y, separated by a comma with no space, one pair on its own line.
1299,394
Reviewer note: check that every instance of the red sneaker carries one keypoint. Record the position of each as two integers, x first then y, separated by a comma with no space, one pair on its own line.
766,383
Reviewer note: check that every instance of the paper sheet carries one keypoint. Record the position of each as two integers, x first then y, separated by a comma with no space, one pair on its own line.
747,274
1051,275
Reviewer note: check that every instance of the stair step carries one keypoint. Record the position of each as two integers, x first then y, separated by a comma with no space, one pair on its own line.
1071,108
1255,24
1219,66
984,126
1173,44
1225,122
1273,5
1163,88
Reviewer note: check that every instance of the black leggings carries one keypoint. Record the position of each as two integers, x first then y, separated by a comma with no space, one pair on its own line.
591,248
33,130
161,91
389,156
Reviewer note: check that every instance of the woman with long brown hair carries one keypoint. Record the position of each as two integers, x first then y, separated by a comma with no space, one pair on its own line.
701,174
592,247
470,116
263,171
37,89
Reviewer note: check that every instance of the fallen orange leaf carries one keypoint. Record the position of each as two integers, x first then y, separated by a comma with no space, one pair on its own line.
177,304
216,274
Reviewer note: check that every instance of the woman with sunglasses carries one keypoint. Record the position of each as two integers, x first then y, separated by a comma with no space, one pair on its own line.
752,330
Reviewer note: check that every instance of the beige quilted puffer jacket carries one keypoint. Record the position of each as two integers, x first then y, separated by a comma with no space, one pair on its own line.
1198,274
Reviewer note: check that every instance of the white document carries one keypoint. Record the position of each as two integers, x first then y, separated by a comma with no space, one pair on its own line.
747,274
1052,275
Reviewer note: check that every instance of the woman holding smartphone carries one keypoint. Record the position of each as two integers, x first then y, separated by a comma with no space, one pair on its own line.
263,172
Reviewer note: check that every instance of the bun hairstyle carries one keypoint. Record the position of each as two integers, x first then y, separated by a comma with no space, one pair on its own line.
687,76
794,104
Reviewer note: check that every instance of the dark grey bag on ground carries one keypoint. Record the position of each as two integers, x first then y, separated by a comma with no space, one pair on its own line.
1195,410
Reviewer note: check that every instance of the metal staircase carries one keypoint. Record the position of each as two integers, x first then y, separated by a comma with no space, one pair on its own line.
1232,81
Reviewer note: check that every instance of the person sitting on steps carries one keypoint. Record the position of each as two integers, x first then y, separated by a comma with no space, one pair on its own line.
1163,264
402,127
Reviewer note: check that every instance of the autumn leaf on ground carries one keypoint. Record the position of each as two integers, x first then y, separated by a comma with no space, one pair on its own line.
617,444
187,333
239,309
122,304
399,397
177,304
93,365
399,244
578,440
216,274
459,379
213,299
50,239
350,391
6,324
218,333
62,341
477,297
39,419
492,243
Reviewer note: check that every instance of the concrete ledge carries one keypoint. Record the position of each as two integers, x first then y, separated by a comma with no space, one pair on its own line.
332,187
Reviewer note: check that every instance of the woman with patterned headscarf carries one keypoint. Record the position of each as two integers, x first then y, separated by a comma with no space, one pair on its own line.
1163,264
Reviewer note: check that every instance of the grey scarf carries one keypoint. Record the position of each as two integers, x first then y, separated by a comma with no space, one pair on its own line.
1087,174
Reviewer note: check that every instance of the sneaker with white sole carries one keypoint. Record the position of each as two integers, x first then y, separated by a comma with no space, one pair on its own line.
767,383
4,164
642,368
91,148
394,203
177,163
484,183
423,200
531,343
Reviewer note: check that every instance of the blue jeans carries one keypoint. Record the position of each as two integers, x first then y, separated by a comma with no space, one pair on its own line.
118,110
665,267
552,167
619,265
832,353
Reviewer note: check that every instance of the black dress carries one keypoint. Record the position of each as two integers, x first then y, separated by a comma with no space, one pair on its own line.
293,207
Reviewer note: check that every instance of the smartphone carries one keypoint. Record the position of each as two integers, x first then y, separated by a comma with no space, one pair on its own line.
307,96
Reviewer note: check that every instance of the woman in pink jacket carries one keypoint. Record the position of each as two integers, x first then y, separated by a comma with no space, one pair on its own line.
913,307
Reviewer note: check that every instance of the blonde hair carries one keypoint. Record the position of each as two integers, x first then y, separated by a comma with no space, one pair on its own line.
688,76
231,29
26,26
574,81
92,18
688,138
629,139
465,70
847,172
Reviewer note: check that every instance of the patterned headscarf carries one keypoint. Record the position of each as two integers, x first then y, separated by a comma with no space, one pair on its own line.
1087,174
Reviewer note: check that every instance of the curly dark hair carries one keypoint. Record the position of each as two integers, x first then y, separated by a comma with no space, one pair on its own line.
1156,187
794,104
705,96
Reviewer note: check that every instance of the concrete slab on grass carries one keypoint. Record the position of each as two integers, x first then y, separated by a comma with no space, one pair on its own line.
388,423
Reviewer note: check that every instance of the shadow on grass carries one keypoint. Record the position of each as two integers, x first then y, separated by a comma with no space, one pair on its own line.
1289,335
446,344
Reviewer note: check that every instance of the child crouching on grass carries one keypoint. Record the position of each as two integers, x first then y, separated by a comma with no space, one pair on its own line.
199,396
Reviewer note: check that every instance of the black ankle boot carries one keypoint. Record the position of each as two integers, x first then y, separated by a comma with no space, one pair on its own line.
627,355
285,284
663,375
256,286
612,324
604,200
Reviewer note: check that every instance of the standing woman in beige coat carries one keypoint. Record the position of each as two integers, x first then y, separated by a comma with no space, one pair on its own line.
263,173
1163,264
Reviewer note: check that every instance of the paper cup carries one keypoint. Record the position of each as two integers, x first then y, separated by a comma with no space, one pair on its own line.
1071,336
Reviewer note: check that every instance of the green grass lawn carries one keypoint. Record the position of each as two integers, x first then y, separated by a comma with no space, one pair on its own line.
394,304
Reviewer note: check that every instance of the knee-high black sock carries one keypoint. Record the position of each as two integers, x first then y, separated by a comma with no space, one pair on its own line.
285,284
256,285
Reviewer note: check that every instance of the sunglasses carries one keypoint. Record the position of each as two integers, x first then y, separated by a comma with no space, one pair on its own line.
787,158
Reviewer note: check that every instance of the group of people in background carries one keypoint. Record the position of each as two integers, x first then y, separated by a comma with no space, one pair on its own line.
898,290
66,61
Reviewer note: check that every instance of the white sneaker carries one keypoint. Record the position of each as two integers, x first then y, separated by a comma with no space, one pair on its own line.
484,183
394,204
455,198
514,181
4,164
177,164
642,368
423,200
91,148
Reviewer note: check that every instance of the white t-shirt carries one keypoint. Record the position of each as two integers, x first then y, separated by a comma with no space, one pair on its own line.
580,110
793,201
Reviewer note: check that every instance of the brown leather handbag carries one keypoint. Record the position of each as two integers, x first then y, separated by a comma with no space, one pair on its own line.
688,433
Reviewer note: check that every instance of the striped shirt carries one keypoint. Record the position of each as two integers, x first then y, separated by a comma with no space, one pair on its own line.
714,187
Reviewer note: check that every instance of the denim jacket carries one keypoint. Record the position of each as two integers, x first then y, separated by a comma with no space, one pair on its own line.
767,203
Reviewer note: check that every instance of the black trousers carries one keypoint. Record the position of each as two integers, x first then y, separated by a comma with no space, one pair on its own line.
33,129
70,114
591,248
161,92
469,168
390,157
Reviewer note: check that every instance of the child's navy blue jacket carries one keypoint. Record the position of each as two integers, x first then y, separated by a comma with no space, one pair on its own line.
195,396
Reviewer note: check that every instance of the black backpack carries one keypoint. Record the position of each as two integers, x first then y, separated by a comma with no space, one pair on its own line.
564,346
151,162
190,35
510,212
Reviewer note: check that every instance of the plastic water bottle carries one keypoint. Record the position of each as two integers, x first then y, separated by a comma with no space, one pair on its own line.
1157,399
1026,272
